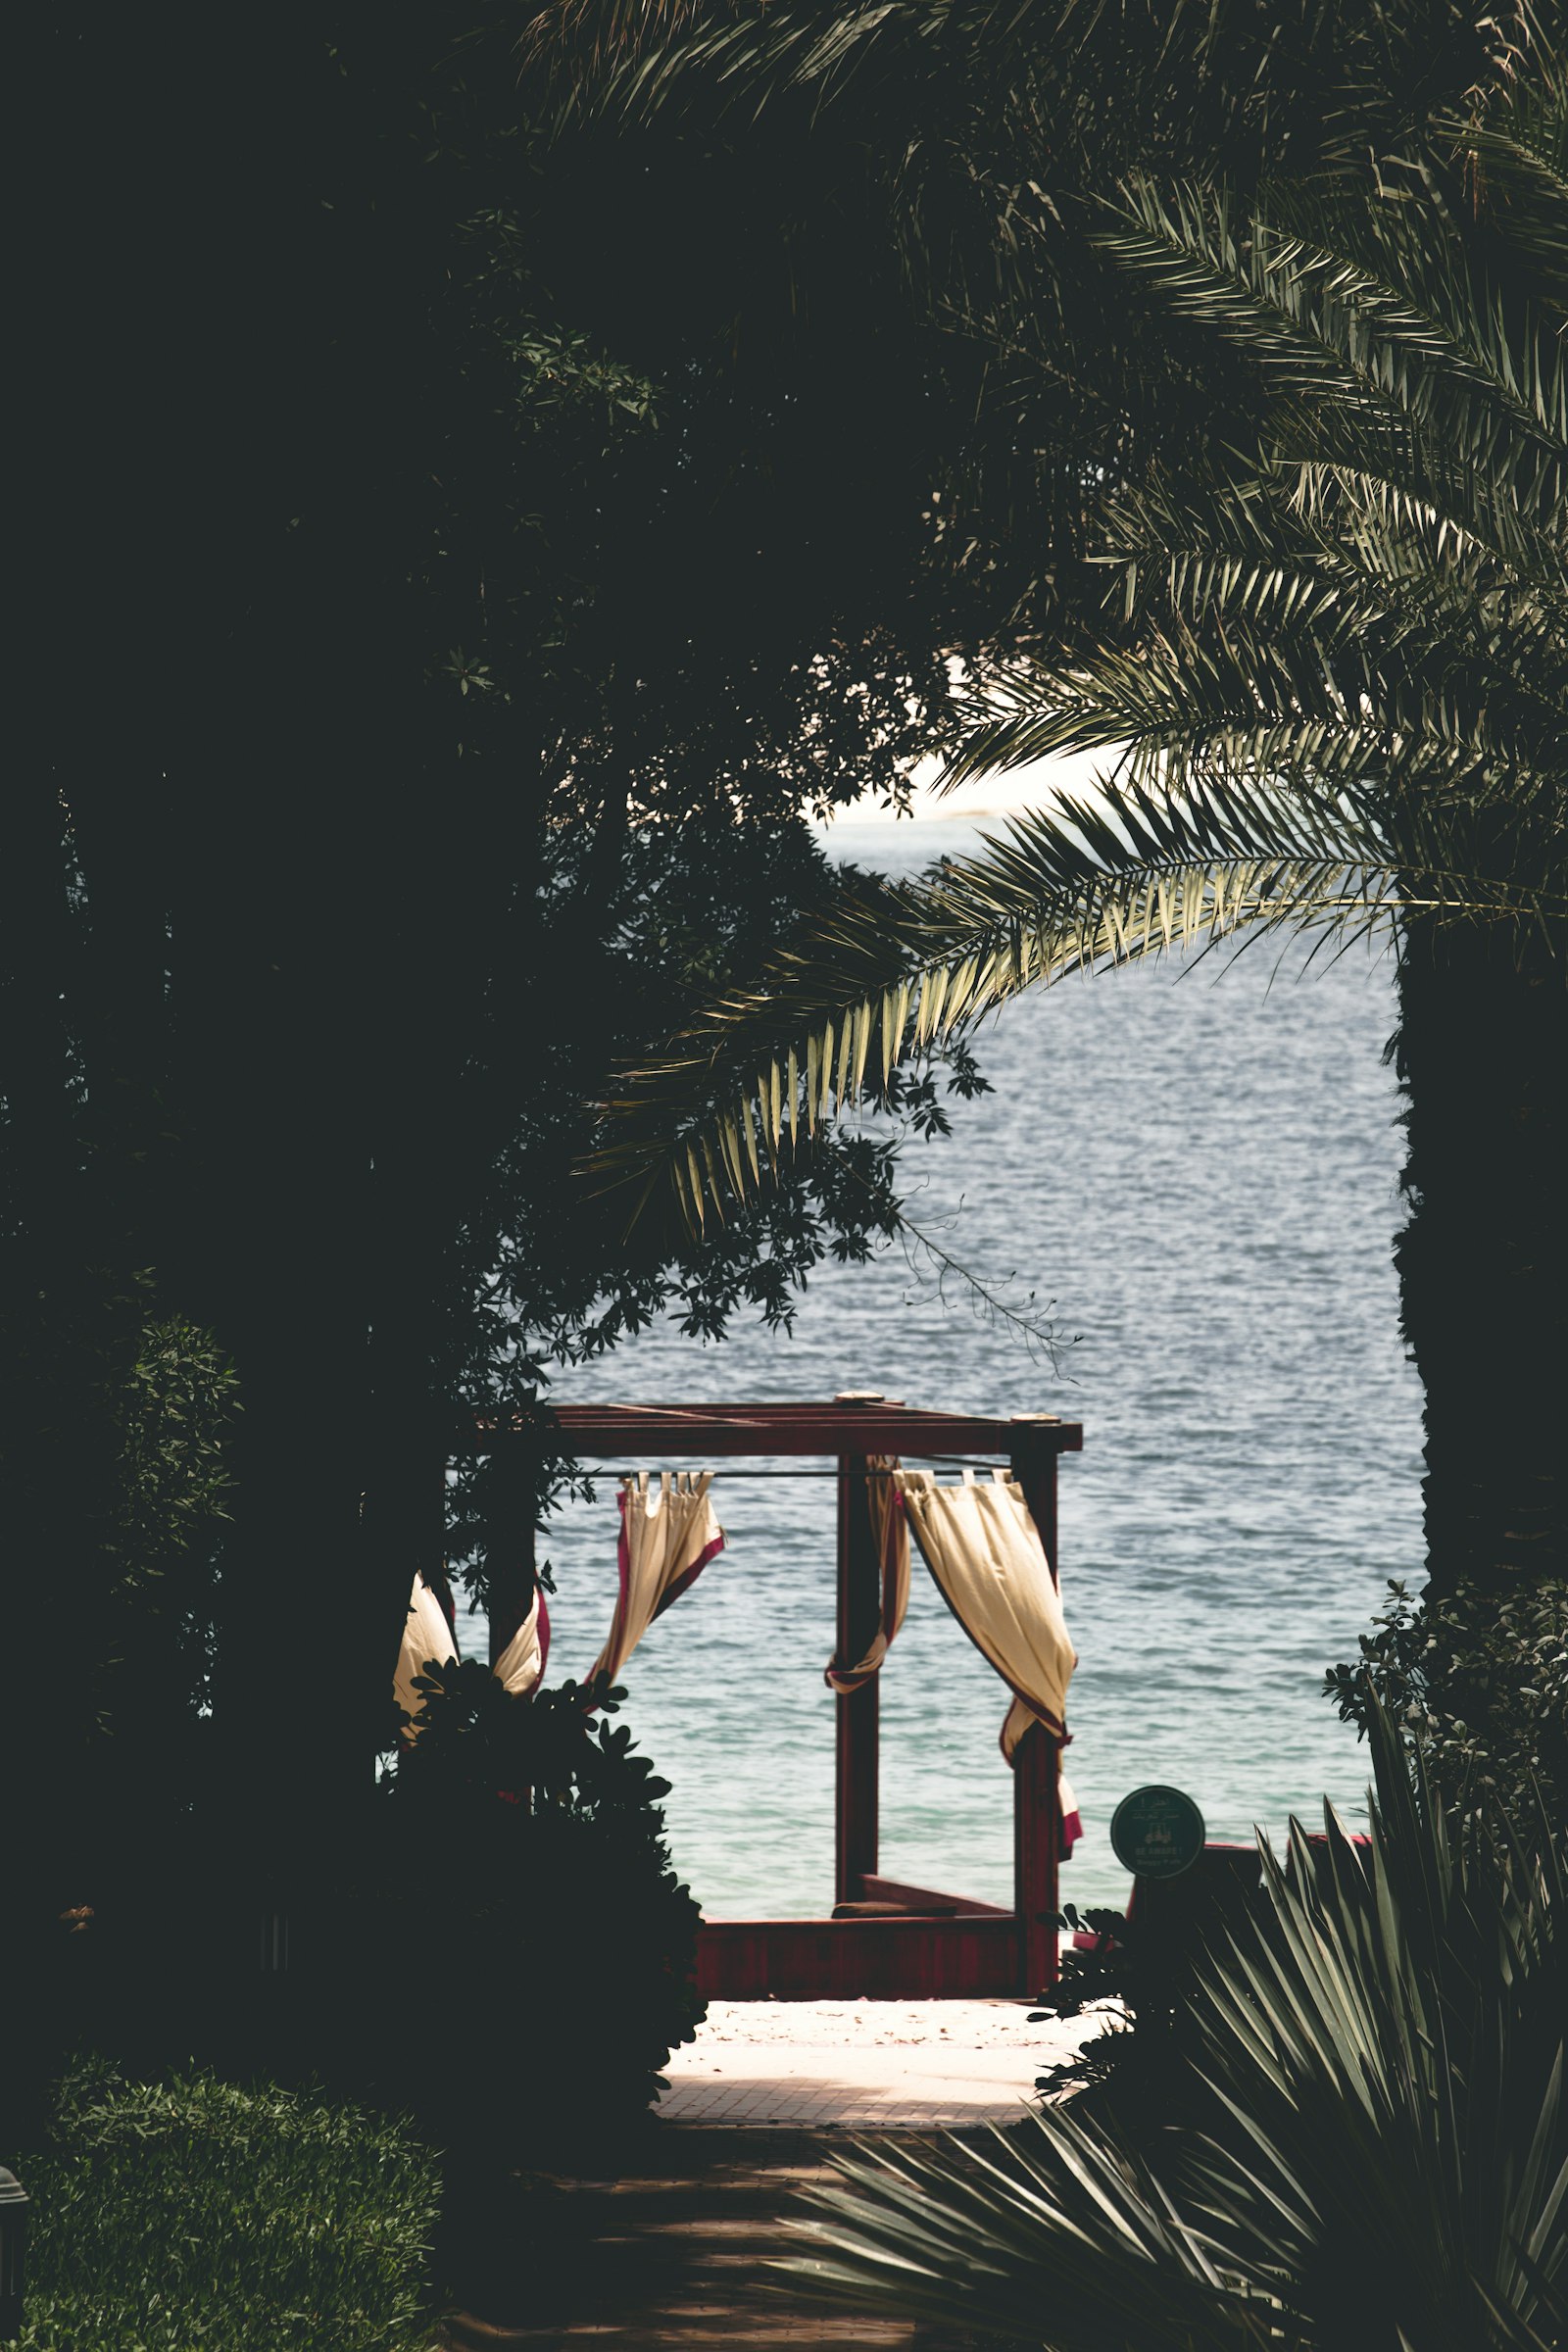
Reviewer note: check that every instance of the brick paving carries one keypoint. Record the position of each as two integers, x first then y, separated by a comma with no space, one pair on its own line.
863,2091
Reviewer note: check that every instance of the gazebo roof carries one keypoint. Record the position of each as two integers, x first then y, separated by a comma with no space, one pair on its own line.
840,1425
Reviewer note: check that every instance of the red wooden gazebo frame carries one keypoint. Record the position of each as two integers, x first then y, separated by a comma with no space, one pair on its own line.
940,1945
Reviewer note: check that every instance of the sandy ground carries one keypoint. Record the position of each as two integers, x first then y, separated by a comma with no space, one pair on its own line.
903,2065
858,2025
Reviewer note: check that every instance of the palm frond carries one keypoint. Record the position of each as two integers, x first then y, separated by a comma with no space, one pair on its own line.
1330,673
1083,886
1060,2238
1350,307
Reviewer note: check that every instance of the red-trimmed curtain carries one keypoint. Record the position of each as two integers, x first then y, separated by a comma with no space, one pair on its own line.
981,1544
428,1641
890,1532
521,1667
669,1534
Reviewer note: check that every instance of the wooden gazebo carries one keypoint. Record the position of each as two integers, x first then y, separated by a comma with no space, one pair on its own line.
938,1944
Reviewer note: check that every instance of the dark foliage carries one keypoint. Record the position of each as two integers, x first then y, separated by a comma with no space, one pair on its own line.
1138,2010
1476,1685
427,683
519,1855
126,1417
439,615
1271,304
934,175
1147,1967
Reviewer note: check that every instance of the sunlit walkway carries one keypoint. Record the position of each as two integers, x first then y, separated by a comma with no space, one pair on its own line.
863,2065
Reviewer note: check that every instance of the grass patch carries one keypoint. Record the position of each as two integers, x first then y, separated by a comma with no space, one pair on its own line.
194,2216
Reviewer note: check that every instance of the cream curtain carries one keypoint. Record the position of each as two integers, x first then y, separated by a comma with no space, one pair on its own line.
890,1530
669,1534
984,1550
426,1641
521,1664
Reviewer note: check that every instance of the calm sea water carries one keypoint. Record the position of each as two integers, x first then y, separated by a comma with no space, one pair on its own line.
1197,1166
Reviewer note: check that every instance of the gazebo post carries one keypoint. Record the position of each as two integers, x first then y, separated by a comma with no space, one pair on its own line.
1036,1766
512,1591
860,1618
1036,1852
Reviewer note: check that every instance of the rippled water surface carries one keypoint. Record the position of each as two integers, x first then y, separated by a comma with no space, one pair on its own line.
1199,1168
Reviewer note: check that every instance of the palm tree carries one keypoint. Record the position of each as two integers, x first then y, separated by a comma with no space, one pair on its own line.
1330,671
932,169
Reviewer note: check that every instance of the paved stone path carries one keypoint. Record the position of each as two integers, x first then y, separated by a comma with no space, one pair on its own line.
672,2256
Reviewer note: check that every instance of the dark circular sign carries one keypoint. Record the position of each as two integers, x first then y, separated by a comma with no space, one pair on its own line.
1156,1832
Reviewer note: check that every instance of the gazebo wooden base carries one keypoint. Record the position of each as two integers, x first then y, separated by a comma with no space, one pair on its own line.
969,1957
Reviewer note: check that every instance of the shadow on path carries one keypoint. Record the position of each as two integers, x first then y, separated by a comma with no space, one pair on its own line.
673,2255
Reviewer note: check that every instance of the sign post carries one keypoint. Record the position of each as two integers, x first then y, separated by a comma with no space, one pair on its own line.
1158,1832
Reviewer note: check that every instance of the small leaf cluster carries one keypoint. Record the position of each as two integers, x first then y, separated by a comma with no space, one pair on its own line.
911,1089
175,1410
477,1745
1106,1971
120,1422
1138,1977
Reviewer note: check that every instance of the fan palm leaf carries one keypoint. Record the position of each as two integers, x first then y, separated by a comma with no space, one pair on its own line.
1383,2041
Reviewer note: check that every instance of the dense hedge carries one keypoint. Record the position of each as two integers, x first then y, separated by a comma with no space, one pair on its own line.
194,2216
542,1949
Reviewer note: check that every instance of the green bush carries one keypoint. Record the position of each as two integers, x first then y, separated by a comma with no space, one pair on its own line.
1120,1979
1479,1681
194,2216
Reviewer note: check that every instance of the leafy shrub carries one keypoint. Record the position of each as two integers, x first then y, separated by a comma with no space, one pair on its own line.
1114,1969
1479,1681
114,1456
193,2216
1387,2156
1141,1973
522,1859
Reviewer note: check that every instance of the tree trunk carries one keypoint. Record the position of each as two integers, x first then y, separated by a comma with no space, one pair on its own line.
1483,1261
